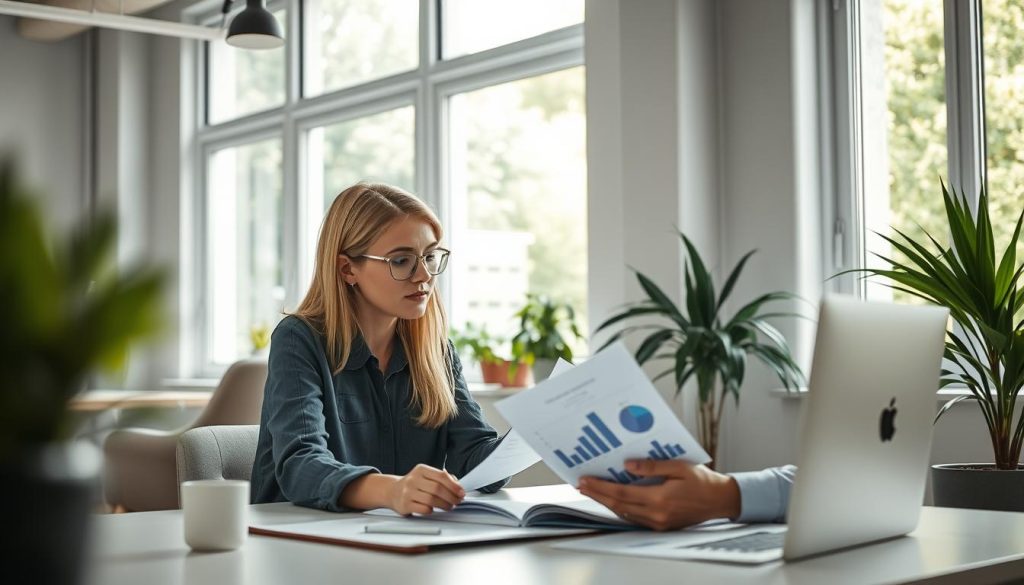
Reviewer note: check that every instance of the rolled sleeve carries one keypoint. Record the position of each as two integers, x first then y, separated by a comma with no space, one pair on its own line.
470,438
306,470
764,495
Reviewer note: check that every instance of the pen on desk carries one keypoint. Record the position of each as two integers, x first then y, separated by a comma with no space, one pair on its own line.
401,529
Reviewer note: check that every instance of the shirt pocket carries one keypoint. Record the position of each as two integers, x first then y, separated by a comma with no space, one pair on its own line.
352,409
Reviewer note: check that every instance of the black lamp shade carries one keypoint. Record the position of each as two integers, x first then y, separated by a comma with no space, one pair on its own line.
255,28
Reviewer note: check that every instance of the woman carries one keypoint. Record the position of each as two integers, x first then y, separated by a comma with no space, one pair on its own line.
365,404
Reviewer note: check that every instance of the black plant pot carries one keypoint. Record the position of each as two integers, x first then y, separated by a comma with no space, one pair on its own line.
978,485
47,494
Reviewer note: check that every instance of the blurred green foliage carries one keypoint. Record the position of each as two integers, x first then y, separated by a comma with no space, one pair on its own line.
66,310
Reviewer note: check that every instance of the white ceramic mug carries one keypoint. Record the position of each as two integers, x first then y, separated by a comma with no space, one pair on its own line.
216,513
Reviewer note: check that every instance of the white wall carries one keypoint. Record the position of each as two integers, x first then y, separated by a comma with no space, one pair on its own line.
41,118
652,148
770,191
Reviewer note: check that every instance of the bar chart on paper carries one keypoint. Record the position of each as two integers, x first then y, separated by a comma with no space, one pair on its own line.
597,438
591,443
589,420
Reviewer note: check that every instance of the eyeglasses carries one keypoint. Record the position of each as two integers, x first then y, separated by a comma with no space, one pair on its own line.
403,266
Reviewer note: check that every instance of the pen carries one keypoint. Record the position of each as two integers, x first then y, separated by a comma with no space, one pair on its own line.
401,529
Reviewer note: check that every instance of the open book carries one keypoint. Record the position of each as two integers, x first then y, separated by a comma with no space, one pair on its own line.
556,506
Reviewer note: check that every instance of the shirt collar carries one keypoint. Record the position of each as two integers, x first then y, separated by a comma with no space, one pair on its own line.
359,354
398,358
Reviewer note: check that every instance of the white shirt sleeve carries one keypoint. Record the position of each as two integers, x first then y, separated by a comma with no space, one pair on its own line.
764,495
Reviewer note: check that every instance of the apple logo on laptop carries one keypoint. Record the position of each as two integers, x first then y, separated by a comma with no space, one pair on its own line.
886,428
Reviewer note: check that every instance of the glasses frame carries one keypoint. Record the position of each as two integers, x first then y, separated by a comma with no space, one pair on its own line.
420,259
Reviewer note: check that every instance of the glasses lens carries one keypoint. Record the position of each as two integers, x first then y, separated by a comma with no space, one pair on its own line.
436,261
402,266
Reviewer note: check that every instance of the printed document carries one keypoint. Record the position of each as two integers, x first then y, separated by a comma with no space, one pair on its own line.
511,456
589,419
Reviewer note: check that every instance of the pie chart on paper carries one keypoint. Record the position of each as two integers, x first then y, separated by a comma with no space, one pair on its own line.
636,419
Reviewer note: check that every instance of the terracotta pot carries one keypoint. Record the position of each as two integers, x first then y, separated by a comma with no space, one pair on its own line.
498,373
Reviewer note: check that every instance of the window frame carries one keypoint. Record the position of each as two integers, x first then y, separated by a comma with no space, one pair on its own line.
427,88
965,125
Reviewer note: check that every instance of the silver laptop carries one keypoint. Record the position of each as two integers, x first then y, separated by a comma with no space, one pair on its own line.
866,436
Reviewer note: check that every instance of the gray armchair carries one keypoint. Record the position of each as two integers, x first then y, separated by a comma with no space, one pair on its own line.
140,469
218,452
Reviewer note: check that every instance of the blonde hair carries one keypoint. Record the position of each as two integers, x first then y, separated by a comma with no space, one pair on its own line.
355,220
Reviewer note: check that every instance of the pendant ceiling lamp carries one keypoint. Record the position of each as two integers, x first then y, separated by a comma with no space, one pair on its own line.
254,28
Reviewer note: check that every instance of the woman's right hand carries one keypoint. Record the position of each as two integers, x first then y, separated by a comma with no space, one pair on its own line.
423,489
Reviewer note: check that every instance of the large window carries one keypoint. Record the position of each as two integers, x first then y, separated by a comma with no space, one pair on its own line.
481,117
518,167
243,241
926,90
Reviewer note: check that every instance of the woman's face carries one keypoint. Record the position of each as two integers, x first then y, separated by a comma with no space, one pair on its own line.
402,299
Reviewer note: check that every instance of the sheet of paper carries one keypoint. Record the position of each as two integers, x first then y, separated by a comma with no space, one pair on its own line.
512,456
561,367
590,418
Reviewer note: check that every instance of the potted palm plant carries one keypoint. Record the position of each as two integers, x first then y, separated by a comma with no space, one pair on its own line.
66,311
541,321
701,343
984,353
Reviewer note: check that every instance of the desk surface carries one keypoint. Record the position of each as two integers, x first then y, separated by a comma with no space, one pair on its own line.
92,400
949,546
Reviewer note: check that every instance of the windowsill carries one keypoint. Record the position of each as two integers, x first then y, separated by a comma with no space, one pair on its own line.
481,389
943,395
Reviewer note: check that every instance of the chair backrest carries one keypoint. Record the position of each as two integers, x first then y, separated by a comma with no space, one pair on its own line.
218,452
238,398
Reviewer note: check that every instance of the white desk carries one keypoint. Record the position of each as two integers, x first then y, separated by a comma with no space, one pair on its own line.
950,546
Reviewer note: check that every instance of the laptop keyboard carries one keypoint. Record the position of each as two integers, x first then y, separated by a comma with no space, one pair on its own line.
753,542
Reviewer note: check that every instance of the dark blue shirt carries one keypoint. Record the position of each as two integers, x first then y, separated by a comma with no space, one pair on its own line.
319,431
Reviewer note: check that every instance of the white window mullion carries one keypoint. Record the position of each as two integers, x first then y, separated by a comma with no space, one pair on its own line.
964,91
844,219
290,229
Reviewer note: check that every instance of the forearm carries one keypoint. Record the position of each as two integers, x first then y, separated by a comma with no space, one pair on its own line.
764,494
368,492
731,501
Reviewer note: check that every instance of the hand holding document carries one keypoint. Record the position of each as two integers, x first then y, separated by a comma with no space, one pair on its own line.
589,419
511,456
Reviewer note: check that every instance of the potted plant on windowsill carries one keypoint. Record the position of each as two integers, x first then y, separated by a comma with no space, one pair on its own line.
509,373
540,322
985,353
66,310
700,343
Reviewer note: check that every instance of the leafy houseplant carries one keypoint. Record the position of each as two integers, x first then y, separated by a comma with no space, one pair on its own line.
540,321
701,345
496,370
66,310
985,298
259,336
